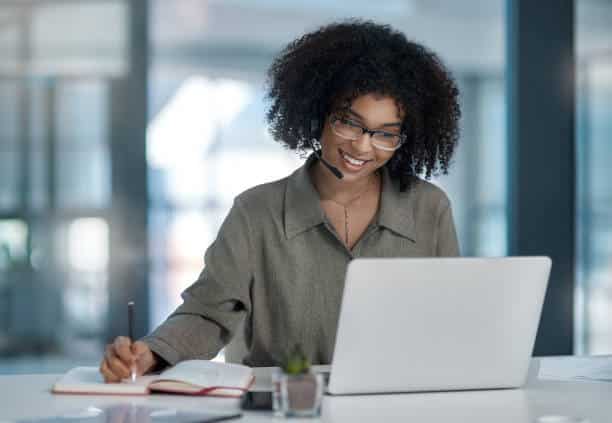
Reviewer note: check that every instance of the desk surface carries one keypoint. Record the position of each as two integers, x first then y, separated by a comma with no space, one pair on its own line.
28,396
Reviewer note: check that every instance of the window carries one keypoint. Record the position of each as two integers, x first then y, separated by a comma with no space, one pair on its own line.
594,194
59,60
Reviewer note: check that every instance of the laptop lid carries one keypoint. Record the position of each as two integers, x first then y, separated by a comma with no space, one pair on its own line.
432,324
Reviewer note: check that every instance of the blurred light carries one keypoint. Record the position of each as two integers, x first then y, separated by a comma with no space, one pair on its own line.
188,124
255,167
13,240
381,10
189,234
88,244
37,258
74,38
602,74
188,184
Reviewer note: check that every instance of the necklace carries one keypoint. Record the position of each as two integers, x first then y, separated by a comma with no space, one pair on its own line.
346,205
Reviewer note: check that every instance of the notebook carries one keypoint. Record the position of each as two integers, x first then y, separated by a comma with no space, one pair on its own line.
191,377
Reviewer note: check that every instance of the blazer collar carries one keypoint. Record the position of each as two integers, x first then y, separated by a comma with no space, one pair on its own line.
302,202
395,212
303,208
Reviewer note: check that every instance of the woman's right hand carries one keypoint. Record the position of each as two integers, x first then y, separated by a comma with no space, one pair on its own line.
122,355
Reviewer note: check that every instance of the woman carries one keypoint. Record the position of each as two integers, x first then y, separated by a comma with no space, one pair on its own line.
377,110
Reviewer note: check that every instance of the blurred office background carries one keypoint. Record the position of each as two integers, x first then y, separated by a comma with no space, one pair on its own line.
127,127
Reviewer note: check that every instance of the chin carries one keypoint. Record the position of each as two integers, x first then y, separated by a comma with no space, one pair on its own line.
351,176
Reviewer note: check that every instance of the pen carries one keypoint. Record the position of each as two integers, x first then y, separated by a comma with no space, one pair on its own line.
131,336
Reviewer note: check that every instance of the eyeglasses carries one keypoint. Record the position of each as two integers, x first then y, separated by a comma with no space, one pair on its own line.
350,130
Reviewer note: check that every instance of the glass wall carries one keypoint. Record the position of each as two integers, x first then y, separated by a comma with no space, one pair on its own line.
594,187
207,138
58,59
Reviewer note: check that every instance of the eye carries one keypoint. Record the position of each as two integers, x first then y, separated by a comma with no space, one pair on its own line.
350,123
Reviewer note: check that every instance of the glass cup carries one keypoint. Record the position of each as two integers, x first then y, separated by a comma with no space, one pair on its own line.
297,395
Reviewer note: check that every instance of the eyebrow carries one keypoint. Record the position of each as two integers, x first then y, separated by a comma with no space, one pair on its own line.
351,111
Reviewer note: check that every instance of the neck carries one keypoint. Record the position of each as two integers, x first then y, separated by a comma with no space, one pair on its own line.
332,188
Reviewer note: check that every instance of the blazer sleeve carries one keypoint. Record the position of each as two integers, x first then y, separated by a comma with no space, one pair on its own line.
214,306
447,244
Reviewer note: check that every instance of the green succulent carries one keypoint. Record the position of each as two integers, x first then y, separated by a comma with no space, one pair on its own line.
296,362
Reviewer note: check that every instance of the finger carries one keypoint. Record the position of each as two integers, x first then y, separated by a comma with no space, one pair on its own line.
115,364
139,348
123,349
144,357
109,376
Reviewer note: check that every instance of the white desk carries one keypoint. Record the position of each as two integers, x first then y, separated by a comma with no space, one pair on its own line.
28,396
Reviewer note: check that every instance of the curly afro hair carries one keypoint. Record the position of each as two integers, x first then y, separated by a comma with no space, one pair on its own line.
325,70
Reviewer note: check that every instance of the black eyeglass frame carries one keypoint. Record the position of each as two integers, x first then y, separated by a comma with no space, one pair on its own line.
335,118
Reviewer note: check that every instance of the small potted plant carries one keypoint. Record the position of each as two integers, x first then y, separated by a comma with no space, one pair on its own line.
299,390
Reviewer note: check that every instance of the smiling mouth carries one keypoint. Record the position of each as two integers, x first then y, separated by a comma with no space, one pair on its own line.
352,160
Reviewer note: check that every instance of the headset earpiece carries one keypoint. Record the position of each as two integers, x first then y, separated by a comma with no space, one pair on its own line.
315,144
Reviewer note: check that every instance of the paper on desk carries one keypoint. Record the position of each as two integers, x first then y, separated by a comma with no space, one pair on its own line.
598,367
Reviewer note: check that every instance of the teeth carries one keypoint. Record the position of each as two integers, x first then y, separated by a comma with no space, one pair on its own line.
351,160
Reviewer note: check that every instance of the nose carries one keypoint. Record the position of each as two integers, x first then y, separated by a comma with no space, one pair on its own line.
363,144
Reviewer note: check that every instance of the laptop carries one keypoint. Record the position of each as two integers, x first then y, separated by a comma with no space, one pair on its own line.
437,324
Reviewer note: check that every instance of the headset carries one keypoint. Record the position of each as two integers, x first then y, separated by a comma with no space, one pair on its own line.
311,137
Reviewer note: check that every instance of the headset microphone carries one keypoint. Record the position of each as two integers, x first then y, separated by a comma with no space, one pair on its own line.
311,140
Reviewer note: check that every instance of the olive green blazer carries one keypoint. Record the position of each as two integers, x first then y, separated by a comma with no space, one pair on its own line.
278,267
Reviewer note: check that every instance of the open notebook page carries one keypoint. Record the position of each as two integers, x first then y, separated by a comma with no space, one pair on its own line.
206,374
89,380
